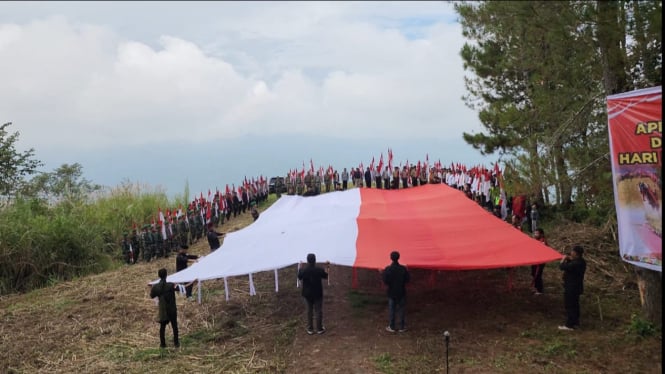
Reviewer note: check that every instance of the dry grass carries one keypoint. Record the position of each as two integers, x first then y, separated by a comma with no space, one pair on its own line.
105,323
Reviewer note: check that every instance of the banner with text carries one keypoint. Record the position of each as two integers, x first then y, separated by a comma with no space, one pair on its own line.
635,131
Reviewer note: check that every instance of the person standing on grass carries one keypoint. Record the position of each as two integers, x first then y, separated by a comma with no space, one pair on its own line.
573,267
396,276
213,238
168,311
181,261
537,270
312,290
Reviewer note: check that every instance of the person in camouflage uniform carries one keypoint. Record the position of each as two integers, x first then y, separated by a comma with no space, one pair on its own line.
147,249
136,246
126,248
162,244
198,225
183,231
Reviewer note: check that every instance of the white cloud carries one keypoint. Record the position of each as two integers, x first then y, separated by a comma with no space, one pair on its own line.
342,69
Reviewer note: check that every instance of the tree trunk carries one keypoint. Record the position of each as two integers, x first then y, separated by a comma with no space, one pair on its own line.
650,284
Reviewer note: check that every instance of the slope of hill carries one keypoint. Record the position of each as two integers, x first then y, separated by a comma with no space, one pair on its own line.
106,323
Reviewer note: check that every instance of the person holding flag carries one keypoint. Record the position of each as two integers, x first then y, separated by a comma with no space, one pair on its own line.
312,291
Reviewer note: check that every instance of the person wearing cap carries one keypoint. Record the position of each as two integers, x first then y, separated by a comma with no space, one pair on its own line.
181,261
312,291
573,266
396,276
167,309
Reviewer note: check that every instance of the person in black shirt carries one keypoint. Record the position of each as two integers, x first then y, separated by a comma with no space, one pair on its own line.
396,276
573,267
213,238
312,290
181,261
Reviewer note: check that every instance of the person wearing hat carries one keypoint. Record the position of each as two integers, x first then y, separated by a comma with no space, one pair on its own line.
312,291
573,266
396,276
181,261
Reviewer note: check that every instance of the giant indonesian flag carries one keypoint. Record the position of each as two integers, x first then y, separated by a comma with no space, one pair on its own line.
432,226
635,130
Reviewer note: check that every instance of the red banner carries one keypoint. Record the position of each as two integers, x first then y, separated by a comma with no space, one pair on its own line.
635,131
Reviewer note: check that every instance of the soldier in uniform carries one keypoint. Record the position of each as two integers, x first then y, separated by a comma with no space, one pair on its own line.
147,243
156,241
198,225
126,247
136,246
156,238
244,196
183,232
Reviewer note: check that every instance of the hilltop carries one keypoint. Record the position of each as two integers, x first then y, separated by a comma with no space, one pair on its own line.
105,323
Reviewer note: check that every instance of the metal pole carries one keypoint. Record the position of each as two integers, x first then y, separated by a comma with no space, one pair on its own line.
446,336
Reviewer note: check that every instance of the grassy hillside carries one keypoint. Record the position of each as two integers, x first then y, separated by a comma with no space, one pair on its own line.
106,323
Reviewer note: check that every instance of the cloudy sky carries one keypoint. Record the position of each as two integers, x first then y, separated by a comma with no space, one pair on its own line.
169,93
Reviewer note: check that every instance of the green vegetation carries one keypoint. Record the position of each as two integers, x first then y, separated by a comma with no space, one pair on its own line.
44,242
642,327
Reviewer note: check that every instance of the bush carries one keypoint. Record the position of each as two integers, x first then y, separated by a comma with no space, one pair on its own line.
40,244
641,327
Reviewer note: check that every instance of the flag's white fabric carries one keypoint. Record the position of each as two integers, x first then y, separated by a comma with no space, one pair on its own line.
283,235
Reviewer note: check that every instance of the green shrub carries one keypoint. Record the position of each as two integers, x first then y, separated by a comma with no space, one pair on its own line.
641,327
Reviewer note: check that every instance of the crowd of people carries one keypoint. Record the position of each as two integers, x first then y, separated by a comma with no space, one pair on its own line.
479,184
176,228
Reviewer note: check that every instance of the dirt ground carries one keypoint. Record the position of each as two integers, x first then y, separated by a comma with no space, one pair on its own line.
105,324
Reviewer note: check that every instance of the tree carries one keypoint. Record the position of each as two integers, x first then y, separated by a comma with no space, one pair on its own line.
65,182
541,73
535,85
14,165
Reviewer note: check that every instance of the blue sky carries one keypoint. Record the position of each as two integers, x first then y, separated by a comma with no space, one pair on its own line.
206,93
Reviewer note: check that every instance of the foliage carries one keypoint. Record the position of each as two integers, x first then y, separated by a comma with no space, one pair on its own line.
65,182
14,165
42,243
540,91
641,327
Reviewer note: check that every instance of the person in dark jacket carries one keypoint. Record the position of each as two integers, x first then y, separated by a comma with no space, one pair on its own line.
213,238
537,270
312,290
573,267
181,261
168,312
368,178
396,276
